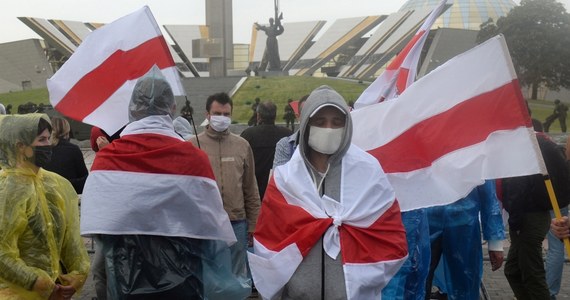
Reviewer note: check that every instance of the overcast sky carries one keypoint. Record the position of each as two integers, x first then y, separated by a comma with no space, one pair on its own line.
168,12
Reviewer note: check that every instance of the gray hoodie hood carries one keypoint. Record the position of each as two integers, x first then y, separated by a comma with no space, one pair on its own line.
320,97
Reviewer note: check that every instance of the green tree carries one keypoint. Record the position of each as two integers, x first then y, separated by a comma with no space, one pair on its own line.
538,35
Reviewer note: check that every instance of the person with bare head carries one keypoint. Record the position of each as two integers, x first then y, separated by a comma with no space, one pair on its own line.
67,159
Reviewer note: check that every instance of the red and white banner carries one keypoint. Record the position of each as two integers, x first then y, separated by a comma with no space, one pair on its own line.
463,123
95,85
364,226
151,182
401,72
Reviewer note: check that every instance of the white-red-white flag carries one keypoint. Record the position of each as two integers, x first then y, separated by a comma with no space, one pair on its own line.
463,123
151,182
95,85
364,225
401,72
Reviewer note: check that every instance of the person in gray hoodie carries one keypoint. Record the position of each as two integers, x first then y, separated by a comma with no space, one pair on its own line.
336,168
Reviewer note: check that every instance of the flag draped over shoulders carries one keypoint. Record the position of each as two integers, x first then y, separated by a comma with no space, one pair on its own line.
152,182
364,226
95,84
462,123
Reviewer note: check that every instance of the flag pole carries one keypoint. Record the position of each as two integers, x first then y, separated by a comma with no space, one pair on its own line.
556,209
193,124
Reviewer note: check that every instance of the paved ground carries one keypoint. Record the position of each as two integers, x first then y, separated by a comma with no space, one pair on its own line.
495,282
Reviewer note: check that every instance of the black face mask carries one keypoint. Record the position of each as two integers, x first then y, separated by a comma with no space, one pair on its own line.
42,155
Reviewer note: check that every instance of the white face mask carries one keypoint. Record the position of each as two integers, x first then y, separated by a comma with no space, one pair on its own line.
325,140
220,123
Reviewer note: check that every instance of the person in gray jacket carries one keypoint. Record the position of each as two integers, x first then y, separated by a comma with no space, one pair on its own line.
309,241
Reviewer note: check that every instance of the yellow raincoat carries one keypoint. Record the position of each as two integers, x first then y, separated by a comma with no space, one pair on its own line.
39,221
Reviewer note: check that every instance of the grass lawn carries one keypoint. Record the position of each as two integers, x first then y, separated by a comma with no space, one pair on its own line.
277,89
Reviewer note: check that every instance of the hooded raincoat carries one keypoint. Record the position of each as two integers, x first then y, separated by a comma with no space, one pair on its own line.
39,221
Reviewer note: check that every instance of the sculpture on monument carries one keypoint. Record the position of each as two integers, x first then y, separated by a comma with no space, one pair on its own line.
274,29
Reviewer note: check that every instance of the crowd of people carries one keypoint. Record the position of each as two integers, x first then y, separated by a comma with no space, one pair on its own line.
290,214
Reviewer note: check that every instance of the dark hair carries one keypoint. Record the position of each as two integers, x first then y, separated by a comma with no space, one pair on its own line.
43,124
221,98
267,112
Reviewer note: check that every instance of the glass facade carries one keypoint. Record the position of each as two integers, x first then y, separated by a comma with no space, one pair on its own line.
464,14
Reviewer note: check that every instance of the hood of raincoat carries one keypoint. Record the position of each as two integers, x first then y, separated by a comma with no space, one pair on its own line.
14,129
319,98
152,95
183,127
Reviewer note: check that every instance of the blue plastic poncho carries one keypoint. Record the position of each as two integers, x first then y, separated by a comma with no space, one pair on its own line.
457,226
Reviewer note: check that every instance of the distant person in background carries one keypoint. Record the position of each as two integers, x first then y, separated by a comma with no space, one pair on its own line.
560,112
183,127
285,146
9,109
289,115
253,120
187,111
2,109
67,159
262,139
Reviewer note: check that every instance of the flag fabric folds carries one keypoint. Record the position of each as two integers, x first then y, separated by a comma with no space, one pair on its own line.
401,72
462,123
151,182
95,85
365,226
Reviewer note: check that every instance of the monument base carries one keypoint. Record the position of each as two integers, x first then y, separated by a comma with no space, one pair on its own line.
273,73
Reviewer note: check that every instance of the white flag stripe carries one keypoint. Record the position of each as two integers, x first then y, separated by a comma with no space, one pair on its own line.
125,33
268,271
113,113
130,205
455,174
375,275
425,99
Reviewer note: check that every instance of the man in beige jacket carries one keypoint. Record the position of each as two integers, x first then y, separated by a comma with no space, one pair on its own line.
232,161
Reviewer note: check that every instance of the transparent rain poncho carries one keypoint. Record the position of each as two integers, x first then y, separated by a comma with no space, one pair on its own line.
151,265
152,95
39,220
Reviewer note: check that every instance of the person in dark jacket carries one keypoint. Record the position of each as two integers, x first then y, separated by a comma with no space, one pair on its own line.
67,159
527,201
262,139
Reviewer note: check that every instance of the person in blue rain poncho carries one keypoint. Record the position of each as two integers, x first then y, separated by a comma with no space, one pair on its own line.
455,234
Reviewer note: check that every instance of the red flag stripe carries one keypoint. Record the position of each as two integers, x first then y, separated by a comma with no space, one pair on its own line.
397,62
154,154
470,122
383,240
281,224
99,84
